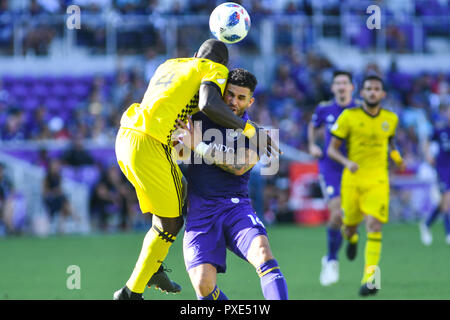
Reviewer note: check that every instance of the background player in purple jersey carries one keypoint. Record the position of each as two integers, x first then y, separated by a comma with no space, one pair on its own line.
324,117
220,213
441,135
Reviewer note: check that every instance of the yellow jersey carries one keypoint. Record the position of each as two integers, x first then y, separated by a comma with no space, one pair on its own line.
173,93
367,140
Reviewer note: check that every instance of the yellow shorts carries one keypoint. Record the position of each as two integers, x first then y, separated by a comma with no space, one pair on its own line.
149,166
359,200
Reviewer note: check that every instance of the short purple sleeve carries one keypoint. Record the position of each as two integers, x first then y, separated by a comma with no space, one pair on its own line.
317,118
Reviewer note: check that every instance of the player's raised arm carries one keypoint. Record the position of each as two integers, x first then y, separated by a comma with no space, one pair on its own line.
241,161
211,103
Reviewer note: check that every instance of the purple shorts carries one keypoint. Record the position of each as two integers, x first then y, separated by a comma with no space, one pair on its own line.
223,223
330,184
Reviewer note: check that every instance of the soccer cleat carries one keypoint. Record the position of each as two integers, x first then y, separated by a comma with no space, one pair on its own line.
162,282
351,250
425,234
330,272
125,294
365,291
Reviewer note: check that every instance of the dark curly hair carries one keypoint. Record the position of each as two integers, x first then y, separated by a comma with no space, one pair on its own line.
373,77
243,78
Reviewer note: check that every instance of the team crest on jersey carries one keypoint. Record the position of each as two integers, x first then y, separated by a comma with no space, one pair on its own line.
330,118
232,135
385,126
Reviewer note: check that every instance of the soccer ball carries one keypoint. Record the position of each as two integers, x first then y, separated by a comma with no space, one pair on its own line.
229,22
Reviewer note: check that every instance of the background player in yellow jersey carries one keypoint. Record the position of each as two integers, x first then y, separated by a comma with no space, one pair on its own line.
178,88
369,133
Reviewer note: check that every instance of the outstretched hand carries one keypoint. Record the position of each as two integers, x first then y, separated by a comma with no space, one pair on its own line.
263,141
189,133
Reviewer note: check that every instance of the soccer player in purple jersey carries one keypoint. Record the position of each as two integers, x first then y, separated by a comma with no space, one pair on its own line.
441,162
220,213
325,115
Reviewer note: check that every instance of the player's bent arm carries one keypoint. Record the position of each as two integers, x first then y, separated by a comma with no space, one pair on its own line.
334,153
313,148
243,160
211,103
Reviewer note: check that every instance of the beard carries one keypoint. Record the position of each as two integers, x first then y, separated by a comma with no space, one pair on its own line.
372,104
237,111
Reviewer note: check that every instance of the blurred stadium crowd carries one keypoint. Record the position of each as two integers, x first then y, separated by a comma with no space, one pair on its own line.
80,108
423,17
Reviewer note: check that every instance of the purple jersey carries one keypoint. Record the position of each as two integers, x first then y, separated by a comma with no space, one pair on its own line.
442,137
326,114
220,214
209,181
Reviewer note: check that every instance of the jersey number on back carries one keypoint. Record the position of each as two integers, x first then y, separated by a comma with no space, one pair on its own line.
165,79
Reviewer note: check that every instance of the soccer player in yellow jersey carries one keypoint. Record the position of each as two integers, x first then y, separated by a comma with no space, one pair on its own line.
178,88
369,134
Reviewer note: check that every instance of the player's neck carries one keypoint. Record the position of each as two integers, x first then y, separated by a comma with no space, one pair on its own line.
372,111
343,102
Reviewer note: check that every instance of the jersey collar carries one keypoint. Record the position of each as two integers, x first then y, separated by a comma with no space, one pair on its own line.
370,115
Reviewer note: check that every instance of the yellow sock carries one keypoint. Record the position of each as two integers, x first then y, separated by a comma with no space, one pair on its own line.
372,254
154,250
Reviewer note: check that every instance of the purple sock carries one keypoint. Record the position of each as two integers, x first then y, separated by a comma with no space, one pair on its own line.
216,294
432,217
334,239
273,284
447,223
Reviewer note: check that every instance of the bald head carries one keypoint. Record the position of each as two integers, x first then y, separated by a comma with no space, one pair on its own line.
214,50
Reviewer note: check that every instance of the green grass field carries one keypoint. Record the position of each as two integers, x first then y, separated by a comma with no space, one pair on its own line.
35,268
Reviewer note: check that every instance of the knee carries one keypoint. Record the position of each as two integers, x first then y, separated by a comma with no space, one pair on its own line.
178,224
259,252
203,280
170,225
204,287
374,226
335,220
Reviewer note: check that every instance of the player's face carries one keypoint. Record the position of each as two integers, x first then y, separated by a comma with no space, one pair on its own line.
342,87
372,92
238,98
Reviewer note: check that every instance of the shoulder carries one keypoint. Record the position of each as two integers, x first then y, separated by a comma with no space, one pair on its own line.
321,108
206,64
324,104
389,114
